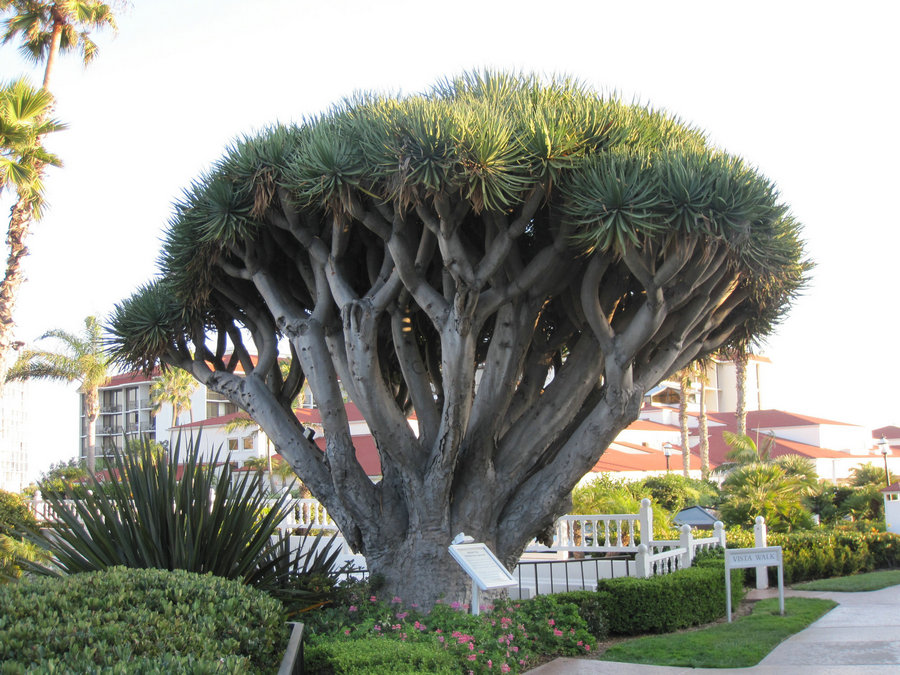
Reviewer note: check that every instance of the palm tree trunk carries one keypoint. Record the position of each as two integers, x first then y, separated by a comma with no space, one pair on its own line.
704,433
685,432
740,364
54,50
12,280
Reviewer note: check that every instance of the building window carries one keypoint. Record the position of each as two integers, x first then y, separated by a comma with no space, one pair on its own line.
232,445
248,442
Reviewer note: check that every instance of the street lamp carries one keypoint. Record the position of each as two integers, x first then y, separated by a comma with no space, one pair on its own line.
884,447
667,451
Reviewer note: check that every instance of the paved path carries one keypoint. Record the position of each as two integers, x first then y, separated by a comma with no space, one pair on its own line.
859,636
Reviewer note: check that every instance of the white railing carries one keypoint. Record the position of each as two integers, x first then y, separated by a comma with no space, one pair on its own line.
307,514
610,533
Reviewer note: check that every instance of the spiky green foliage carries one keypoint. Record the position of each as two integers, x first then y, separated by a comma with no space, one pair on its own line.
572,249
23,122
152,511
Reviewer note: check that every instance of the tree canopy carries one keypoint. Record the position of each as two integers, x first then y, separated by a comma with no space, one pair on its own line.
514,261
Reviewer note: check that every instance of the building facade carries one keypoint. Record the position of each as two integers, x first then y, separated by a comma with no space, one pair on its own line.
13,440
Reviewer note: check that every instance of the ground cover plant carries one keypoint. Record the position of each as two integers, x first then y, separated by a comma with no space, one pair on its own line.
740,644
139,621
510,637
872,581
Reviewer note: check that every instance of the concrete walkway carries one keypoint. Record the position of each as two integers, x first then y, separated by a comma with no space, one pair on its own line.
860,635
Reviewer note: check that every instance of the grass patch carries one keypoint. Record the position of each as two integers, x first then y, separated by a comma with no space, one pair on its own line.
740,644
873,581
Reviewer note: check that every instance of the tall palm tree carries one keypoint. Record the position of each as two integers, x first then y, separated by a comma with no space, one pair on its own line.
83,359
46,29
50,28
173,386
684,384
24,120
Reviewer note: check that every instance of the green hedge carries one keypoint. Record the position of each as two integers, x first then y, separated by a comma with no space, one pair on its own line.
825,553
138,621
662,604
364,656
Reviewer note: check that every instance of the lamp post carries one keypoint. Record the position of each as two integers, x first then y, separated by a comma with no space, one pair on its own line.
667,451
884,447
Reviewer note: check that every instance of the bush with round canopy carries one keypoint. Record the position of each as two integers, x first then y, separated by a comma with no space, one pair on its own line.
513,261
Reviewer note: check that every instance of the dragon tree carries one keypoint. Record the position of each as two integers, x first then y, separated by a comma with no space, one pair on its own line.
512,261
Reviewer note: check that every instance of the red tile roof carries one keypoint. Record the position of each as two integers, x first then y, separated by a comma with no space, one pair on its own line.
894,487
646,459
648,425
759,419
887,432
366,453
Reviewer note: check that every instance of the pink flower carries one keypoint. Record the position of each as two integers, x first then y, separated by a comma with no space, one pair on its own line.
504,668
353,608
347,632
402,615
471,647
587,648
377,627
373,599
579,643
490,664
440,638
396,600
454,605
471,657
551,622
557,632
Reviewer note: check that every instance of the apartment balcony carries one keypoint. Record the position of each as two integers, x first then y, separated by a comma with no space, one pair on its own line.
109,430
109,409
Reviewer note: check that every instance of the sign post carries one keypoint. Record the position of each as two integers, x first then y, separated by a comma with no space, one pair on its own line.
769,556
480,563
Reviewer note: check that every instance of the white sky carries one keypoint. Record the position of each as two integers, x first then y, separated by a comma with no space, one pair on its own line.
806,91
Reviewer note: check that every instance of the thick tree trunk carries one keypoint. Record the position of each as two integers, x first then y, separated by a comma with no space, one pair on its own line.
419,569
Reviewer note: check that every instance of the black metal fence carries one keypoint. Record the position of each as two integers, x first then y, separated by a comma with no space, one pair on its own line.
572,574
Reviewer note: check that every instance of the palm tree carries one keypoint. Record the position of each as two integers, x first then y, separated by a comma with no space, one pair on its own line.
174,386
24,120
82,358
46,29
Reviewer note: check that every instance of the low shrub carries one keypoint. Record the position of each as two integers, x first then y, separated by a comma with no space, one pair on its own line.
590,609
512,636
825,553
661,604
139,621
363,656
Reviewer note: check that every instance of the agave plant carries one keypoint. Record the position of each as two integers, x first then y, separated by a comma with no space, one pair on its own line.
156,512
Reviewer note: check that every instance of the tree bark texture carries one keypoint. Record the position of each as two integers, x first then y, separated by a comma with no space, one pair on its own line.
740,366
19,221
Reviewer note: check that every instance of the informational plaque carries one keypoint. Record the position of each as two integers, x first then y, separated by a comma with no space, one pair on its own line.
769,556
480,563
